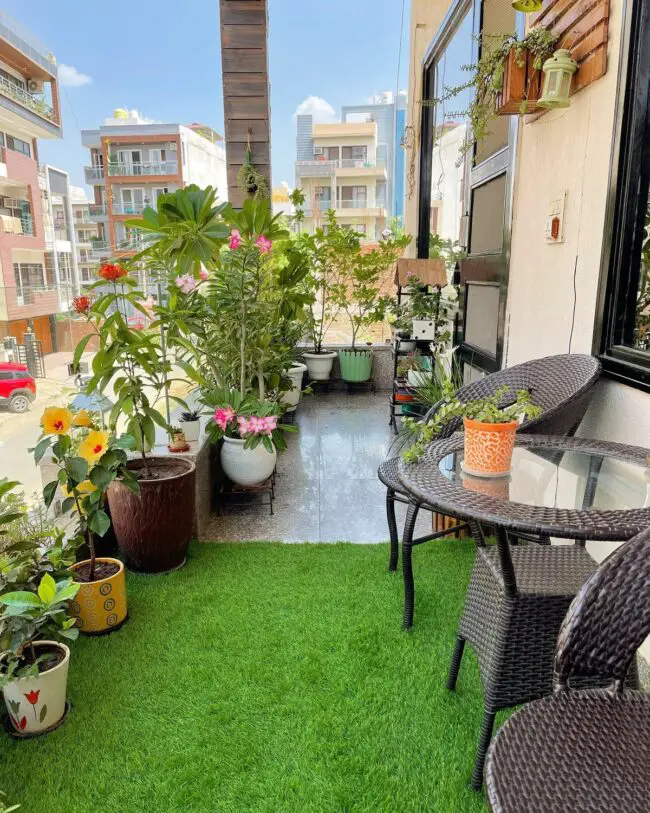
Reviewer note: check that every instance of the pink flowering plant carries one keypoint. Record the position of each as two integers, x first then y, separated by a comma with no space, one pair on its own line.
246,418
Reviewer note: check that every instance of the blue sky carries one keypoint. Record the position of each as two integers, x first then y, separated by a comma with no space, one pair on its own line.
162,58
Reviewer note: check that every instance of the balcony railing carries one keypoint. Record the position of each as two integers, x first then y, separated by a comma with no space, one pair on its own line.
128,208
33,101
324,205
30,294
152,168
327,167
97,211
100,249
61,233
94,173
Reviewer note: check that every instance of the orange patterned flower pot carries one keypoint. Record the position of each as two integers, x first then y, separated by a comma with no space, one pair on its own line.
488,447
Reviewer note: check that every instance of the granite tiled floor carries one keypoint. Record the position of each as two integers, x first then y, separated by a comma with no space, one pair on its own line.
327,488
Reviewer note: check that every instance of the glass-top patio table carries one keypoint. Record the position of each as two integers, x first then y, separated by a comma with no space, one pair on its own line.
572,488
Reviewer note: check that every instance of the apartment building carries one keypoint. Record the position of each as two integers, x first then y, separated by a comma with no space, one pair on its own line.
133,161
29,110
86,231
338,168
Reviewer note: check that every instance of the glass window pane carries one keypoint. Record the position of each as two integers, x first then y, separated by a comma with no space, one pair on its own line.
641,338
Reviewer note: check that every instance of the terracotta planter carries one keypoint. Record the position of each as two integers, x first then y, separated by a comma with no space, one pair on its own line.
100,606
154,528
488,448
37,704
522,86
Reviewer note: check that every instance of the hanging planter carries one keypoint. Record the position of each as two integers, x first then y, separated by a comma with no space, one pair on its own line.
249,180
521,85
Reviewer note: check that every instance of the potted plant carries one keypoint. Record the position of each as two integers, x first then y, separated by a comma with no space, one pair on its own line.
416,368
358,293
177,441
250,433
88,459
490,425
320,252
34,666
505,80
153,527
291,397
190,423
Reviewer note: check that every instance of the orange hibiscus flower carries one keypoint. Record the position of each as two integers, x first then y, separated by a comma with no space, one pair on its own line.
93,446
56,420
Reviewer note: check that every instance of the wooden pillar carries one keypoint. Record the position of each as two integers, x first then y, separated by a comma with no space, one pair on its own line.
245,73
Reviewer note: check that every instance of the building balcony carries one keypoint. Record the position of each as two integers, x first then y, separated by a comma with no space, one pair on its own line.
97,212
102,249
94,174
349,208
143,169
344,166
24,224
128,208
81,219
35,102
28,302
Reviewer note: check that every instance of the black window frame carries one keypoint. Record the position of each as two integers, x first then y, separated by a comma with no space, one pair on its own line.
627,204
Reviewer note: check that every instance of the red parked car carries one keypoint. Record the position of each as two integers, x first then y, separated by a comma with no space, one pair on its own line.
17,387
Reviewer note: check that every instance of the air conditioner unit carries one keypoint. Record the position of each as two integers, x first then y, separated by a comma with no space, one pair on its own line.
172,146
35,85
318,150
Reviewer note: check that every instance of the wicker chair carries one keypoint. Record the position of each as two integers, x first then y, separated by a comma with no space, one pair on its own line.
561,385
585,749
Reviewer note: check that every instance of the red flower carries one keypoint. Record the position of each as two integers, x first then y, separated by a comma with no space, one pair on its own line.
81,304
23,723
111,273
32,697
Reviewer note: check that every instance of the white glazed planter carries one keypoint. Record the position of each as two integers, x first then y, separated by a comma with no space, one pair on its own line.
190,429
424,329
291,398
246,467
319,365
38,703
418,378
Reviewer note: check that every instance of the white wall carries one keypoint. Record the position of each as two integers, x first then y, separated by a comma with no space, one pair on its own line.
205,163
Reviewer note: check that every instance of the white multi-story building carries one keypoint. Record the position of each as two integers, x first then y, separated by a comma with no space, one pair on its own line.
133,161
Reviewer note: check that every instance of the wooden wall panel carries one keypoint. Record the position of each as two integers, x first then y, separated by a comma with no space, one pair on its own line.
244,65
582,26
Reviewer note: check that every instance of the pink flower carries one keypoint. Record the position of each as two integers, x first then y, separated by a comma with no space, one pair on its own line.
186,283
223,416
264,244
243,425
235,239
204,274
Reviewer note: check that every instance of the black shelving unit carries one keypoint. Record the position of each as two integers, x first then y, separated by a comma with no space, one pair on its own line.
422,347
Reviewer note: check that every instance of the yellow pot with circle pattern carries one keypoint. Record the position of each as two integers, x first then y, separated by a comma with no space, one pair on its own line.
100,606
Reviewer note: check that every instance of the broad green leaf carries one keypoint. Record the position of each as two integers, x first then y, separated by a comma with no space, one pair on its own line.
48,493
98,522
47,589
78,469
21,598
41,447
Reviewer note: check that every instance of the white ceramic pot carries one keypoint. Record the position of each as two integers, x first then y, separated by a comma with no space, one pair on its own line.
319,365
246,467
292,397
38,703
418,378
424,329
190,430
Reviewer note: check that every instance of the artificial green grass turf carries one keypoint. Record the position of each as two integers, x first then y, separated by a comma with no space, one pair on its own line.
267,677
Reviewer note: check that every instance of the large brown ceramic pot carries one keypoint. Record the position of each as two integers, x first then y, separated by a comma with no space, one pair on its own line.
154,528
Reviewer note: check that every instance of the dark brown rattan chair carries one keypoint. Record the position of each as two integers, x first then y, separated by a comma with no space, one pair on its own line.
585,749
561,385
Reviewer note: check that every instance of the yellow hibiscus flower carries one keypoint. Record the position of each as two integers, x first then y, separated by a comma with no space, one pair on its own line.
93,446
82,418
56,421
84,487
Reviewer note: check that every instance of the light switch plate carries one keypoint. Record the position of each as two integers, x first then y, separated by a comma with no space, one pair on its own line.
554,226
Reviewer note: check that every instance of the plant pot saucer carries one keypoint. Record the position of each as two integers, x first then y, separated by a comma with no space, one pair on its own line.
19,735
158,572
179,449
98,633
486,475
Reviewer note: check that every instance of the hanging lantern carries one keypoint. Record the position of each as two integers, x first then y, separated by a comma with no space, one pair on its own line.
558,71
527,6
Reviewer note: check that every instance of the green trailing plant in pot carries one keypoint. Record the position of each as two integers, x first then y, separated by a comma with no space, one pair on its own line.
249,179
487,76
154,526
250,432
33,658
489,425
87,460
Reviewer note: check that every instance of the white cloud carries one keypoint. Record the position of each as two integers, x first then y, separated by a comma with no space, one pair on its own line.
71,77
319,108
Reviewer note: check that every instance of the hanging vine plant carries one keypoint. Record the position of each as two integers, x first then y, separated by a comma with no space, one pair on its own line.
486,78
249,180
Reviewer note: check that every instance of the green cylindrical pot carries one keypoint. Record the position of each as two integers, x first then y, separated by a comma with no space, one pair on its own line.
356,365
